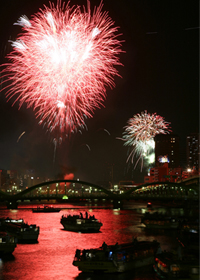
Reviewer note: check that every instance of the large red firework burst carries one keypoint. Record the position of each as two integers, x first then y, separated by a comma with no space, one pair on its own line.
62,63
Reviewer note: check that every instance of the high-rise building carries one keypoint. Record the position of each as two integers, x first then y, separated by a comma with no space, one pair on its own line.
167,150
193,151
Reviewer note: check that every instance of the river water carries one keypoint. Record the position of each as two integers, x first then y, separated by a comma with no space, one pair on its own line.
52,257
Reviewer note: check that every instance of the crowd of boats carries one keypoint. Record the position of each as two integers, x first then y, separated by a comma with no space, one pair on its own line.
118,258
13,232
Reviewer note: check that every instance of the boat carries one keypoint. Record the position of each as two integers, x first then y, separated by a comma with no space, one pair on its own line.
182,262
169,265
159,221
45,209
80,224
189,225
189,239
116,258
22,231
7,244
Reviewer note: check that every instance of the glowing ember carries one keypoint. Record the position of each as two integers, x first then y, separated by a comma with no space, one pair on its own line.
61,64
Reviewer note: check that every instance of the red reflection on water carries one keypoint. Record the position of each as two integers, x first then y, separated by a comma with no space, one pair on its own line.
52,256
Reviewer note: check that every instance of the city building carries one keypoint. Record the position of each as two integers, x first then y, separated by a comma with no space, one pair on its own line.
167,166
167,150
162,173
12,181
193,151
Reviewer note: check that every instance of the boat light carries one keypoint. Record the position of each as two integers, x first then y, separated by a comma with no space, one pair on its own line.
195,270
193,231
174,268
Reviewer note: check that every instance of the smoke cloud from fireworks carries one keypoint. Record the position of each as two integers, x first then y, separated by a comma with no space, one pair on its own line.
139,135
62,63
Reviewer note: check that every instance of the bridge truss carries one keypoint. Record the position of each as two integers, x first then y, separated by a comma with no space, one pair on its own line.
65,190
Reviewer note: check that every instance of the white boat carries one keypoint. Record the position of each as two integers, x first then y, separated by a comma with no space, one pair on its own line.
80,224
21,230
116,258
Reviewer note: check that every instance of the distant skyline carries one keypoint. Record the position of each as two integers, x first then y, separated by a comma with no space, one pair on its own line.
160,75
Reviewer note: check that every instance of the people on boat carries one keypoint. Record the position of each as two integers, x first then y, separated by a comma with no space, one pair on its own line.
159,251
86,215
104,246
116,247
81,215
78,254
135,241
92,217
84,253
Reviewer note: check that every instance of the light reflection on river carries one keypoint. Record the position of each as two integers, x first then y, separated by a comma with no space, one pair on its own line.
51,258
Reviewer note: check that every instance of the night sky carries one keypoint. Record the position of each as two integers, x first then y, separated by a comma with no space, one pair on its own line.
160,75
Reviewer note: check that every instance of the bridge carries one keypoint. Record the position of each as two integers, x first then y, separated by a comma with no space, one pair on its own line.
75,190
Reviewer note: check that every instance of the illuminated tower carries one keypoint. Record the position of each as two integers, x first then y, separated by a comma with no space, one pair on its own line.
167,149
193,151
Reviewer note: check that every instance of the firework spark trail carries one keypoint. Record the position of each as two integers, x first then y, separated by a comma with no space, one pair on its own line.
107,131
140,132
62,63
56,141
20,136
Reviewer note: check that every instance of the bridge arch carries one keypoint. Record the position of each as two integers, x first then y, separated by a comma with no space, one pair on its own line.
180,185
80,192
24,192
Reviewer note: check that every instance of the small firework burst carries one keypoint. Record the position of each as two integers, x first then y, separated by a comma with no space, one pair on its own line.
140,132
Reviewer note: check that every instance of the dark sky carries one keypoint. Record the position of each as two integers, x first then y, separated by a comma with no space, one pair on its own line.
160,75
